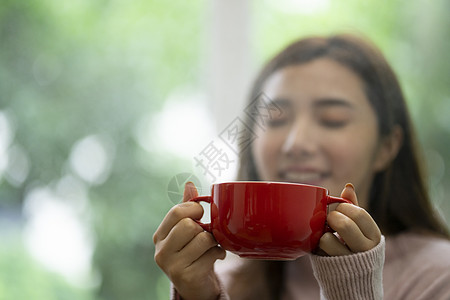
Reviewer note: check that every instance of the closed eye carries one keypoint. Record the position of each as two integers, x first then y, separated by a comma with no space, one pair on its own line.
277,122
334,124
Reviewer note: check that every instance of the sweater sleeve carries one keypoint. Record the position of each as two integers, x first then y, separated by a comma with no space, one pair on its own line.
356,276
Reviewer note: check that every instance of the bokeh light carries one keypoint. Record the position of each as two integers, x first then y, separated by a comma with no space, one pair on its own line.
102,103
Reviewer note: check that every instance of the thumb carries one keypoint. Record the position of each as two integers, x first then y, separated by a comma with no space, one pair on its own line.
190,191
349,193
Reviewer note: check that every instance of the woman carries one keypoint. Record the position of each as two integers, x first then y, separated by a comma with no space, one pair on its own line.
343,119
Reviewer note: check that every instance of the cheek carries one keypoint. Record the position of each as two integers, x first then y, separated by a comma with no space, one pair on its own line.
347,158
352,156
266,151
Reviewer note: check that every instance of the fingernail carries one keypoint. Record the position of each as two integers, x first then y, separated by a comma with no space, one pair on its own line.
188,187
350,186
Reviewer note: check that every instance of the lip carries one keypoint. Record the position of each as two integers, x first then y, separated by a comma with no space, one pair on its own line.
303,174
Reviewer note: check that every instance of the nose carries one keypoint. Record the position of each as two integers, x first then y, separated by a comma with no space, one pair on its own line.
301,140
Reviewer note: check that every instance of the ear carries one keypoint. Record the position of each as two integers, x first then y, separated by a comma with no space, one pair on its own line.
388,149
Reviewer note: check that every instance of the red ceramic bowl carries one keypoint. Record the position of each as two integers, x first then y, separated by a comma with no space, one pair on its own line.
268,220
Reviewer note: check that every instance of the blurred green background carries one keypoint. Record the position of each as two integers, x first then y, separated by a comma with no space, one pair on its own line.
104,102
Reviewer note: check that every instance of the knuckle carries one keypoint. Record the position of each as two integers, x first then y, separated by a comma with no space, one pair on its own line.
182,210
360,213
203,242
337,220
159,259
205,238
155,238
190,226
199,240
177,212
343,206
344,224
332,215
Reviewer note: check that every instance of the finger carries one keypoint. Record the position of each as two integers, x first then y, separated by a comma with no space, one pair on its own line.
332,246
205,262
349,232
180,211
181,234
363,220
349,193
201,268
198,246
190,191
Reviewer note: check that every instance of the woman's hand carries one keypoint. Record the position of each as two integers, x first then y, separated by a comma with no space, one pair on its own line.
357,231
185,252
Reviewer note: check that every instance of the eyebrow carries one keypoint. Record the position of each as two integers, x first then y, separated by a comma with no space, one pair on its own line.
332,102
321,102
283,102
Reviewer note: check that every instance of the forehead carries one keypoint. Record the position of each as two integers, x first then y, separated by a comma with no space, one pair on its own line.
321,78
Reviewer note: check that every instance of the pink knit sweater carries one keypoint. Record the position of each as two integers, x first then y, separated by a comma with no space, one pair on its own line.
405,266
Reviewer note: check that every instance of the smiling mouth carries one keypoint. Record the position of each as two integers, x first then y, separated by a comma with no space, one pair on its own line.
308,177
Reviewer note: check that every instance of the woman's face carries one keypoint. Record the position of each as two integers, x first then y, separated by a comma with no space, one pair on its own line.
327,133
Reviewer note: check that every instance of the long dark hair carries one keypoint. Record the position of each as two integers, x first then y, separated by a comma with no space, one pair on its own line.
399,199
